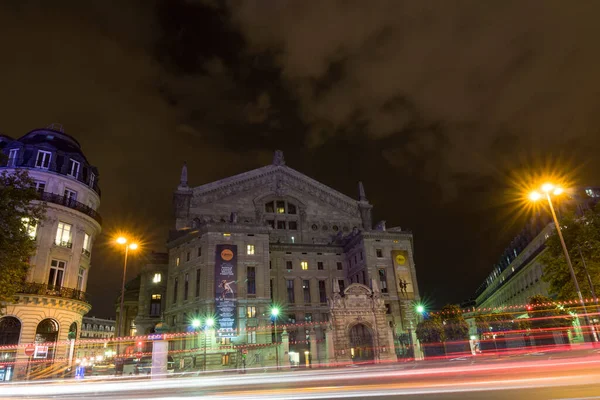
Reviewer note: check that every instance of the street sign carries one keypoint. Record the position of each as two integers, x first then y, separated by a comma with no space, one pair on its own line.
29,350
41,352
155,336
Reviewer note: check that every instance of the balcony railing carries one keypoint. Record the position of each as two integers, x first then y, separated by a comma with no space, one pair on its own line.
53,290
74,204
86,252
66,244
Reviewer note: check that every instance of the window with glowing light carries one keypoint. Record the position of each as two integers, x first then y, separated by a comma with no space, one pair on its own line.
87,244
80,278
251,312
304,265
30,226
157,278
250,249
63,235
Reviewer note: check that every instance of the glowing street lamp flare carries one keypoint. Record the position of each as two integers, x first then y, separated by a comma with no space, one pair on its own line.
535,196
547,187
420,309
196,323
133,246
558,191
121,240
275,311
210,322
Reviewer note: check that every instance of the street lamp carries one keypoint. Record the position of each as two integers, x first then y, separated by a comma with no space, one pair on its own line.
547,189
209,323
274,315
128,246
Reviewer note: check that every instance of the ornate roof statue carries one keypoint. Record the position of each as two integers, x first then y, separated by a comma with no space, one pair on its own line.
278,158
361,192
183,181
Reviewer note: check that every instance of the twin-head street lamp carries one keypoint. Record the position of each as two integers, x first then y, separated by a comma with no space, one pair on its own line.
274,315
208,323
547,189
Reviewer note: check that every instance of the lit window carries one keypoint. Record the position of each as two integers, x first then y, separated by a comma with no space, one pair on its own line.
63,235
177,261
225,358
280,207
304,265
250,249
57,273
30,227
86,244
157,277
80,278
251,338
73,168
43,159
12,157
251,311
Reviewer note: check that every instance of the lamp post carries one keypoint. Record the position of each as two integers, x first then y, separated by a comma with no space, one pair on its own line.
548,188
128,246
209,323
274,315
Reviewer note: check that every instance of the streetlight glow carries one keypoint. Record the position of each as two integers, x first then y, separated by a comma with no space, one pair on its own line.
133,246
121,240
420,309
547,187
535,196
210,322
558,191
275,311
196,323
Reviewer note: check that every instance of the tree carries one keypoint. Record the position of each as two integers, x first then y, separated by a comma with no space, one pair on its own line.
430,330
545,314
19,215
582,237
455,326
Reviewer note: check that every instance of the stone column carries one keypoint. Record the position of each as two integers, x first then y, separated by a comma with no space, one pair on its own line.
329,347
284,350
314,352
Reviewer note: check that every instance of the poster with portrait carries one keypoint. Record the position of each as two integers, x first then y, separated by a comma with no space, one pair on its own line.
226,290
404,280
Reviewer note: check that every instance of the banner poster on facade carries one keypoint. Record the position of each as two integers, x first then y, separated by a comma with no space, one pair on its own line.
226,290
406,288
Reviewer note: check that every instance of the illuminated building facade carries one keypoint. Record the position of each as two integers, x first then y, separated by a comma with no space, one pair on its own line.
53,300
275,236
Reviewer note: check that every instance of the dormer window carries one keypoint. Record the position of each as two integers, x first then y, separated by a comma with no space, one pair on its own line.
12,157
73,168
280,207
43,159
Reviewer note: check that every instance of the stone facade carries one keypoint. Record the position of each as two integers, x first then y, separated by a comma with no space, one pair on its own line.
53,301
297,240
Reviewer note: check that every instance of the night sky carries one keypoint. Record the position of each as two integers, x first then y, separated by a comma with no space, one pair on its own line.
439,107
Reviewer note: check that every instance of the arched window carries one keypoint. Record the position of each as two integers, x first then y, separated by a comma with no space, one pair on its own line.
10,331
47,331
284,215
73,330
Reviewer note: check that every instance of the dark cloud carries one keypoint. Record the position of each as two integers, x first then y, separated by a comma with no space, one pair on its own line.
492,78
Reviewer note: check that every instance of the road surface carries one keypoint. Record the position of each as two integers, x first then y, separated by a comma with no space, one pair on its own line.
529,378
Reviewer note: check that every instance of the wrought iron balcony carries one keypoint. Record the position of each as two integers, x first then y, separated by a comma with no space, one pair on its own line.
66,244
73,204
53,290
86,252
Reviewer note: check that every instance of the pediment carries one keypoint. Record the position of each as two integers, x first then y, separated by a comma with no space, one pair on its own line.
276,180
357,289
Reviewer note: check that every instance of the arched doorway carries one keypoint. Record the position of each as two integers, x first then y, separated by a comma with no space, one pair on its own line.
10,331
47,332
361,343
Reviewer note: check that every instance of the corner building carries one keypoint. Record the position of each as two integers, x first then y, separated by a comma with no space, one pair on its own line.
344,287
53,300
